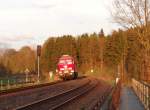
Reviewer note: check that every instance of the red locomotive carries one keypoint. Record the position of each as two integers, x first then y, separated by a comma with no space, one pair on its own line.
66,68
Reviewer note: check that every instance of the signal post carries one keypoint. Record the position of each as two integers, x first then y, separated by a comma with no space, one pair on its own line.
38,60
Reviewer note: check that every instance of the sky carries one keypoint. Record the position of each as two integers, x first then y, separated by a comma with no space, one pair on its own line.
31,22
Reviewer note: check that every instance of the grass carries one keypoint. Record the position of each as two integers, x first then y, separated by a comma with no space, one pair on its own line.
106,74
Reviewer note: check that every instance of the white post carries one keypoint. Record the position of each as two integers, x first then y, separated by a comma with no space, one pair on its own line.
51,75
38,69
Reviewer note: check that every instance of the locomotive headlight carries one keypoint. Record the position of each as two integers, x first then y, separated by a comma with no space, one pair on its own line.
61,68
65,66
70,68
72,71
69,62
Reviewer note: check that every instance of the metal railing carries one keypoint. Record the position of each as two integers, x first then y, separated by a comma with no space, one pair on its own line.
12,83
6,84
142,90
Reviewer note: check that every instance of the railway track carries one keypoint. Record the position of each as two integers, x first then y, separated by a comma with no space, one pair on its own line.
15,90
57,101
10,100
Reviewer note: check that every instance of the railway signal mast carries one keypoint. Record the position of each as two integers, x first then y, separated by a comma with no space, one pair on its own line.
38,58
101,36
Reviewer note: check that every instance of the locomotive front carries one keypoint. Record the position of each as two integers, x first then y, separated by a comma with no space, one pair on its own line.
66,68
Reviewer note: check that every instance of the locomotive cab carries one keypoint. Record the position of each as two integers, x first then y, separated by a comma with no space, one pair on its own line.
66,68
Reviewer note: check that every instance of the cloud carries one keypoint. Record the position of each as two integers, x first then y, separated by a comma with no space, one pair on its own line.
44,4
4,45
16,38
22,20
17,42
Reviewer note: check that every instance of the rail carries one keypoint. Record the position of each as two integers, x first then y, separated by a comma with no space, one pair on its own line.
142,90
62,98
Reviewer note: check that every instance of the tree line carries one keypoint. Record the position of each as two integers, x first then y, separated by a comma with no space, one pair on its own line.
91,51
86,49
15,62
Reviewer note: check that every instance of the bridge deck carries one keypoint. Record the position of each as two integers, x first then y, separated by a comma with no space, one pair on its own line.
129,100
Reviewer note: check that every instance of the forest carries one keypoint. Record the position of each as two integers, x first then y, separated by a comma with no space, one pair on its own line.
104,54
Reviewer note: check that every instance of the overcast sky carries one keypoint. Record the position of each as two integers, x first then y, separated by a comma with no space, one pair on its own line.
31,22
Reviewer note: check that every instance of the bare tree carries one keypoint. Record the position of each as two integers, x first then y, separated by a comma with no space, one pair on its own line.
135,14
131,13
